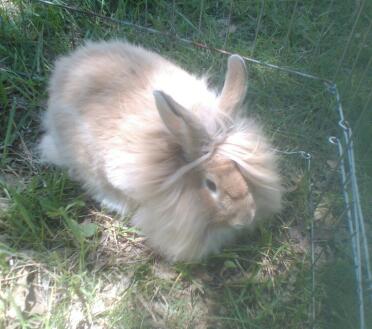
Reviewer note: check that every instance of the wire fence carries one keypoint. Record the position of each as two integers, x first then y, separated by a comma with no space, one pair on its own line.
344,169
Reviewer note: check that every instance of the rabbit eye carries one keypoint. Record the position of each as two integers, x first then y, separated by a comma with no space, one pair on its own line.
211,185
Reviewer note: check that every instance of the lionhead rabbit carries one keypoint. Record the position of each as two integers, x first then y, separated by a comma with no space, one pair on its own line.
145,136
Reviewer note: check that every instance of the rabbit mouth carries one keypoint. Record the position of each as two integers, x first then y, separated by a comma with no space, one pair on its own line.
235,220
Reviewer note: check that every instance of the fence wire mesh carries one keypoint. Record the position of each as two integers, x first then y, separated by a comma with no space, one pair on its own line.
316,141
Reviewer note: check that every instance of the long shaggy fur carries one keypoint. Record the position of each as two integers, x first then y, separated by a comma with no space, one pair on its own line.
102,124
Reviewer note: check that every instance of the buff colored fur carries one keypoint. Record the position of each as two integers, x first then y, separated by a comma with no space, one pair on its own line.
145,136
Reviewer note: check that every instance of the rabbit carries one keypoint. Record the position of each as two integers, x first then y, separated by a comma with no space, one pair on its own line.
147,138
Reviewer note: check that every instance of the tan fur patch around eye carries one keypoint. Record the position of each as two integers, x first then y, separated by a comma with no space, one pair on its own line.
235,185
231,180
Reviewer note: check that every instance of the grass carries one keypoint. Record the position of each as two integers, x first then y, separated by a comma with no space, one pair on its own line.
65,263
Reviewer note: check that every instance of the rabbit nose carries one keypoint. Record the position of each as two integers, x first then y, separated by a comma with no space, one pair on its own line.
243,219
246,214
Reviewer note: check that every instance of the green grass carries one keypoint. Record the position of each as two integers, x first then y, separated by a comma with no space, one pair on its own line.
65,263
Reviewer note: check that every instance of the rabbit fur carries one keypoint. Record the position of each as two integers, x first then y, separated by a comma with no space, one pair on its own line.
144,136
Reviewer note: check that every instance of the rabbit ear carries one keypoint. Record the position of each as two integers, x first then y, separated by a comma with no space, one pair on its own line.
183,124
235,86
